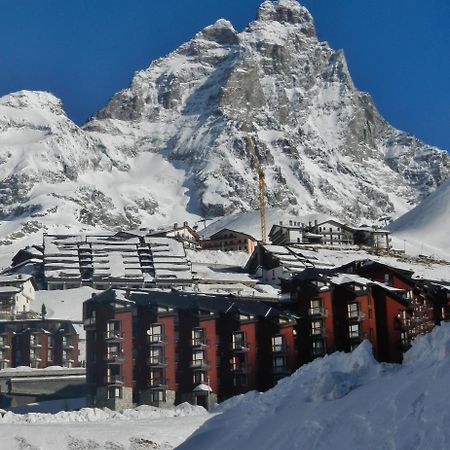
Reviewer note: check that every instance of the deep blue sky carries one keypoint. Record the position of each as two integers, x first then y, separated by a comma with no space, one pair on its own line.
86,50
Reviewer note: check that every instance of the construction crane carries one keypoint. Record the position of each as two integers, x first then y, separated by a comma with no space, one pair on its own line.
261,183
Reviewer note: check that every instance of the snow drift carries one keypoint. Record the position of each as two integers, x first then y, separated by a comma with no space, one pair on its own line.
344,401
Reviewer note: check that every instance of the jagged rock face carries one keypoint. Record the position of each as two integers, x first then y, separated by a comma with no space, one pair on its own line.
171,144
323,145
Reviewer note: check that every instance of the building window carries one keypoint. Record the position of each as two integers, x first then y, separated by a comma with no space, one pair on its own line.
159,395
239,340
114,392
317,327
279,364
156,355
50,354
353,310
113,329
354,330
318,347
198,336
3,340
113,374
157,377
315,306
34,340
155,333
198,357
278,344
199,377
240,380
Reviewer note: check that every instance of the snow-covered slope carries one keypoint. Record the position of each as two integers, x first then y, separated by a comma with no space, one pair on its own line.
344,401
429,222
170,147
54,176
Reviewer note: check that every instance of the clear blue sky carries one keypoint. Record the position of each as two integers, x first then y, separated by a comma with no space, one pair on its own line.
86,50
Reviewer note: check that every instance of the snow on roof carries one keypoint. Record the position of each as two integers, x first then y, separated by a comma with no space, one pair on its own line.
345,278
18,278
118,256
9,290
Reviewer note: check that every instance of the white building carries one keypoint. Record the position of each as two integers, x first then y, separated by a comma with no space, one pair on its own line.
16,294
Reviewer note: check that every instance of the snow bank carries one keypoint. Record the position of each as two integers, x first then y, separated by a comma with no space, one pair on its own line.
102,415
344,401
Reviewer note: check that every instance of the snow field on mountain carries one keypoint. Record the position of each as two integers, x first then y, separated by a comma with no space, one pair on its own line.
429,222
344,401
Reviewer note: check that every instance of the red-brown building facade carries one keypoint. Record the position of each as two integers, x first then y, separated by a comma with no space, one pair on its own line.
174,347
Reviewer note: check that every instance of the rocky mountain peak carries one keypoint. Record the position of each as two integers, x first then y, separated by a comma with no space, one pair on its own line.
222,32
38,101
287,12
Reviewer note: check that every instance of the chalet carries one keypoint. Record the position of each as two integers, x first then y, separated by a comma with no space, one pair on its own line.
334,233
293,234
273,263
185,347
184,234
38,343
16,294
114,260
229,240
377,238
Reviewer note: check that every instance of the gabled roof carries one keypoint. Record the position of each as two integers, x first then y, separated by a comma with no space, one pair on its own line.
228,230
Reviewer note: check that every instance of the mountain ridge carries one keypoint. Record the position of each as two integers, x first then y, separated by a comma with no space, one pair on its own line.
170,146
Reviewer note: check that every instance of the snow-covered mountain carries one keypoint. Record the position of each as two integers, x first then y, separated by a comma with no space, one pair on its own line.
428,223
170,147
323,145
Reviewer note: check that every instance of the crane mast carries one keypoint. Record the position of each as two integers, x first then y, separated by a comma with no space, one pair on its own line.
261,183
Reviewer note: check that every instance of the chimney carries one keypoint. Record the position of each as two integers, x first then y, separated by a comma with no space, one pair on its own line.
315,223
281,222
185,224
290,223
175,225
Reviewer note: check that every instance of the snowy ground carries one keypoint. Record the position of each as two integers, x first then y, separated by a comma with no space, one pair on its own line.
343,402
89,429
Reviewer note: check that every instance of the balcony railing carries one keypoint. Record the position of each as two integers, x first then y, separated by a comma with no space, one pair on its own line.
89,321
157,339
114,357
200,342
114,379
240,347
157,382
199,364
157,361
279,348
322,312
240,368
356,315
113,335
318,332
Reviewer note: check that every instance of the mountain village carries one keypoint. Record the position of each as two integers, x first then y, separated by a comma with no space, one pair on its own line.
236,240
177,315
